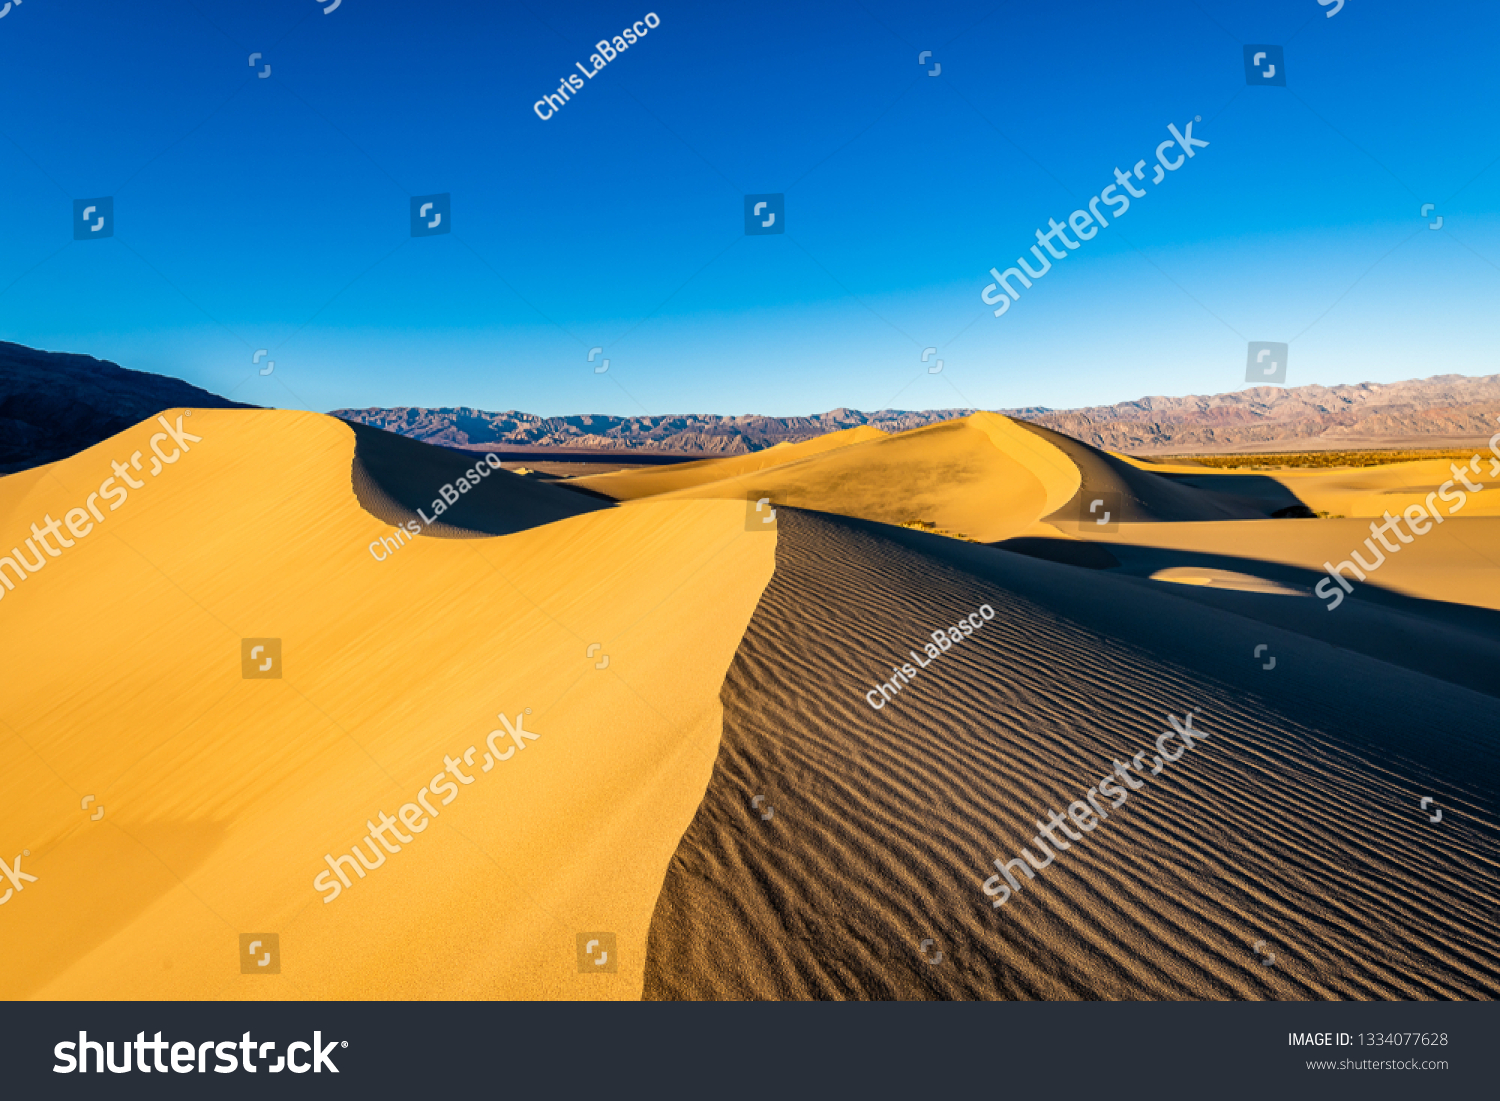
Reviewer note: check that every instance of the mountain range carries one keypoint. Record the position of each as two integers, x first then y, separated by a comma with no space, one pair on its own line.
55,404
1438,411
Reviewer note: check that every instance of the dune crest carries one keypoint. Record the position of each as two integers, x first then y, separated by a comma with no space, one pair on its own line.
983,477
222,791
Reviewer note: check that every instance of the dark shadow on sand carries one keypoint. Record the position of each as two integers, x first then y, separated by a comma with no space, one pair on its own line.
400,480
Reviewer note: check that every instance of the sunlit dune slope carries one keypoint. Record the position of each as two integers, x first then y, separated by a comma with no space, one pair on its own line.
1372,491
1293,826
1453,561
221,795
1367,491
1432,605
1458,562
983,477
627,485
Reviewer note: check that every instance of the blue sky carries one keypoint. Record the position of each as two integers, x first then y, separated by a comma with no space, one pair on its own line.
274,212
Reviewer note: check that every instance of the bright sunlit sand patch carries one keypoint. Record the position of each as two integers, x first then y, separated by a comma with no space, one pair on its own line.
1224,579
983,476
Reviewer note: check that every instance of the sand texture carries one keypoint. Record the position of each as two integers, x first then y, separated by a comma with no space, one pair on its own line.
703,775
1294,823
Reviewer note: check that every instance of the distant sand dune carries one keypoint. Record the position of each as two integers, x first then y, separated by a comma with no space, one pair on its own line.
983,476
1296,823
627,485
1145,497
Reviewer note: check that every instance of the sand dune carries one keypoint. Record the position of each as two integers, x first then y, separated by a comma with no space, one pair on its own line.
627,802
1144,497
222,795
627,485
983,477
1295,823
1226,580
1371,491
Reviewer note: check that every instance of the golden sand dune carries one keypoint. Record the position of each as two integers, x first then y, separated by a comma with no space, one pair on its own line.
627,485
1292,827
1433,608
528,710
216,798
1368,491
1143,495
984,477
1372,491
1456,563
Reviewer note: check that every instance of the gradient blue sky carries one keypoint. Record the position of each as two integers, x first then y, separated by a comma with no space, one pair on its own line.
273,213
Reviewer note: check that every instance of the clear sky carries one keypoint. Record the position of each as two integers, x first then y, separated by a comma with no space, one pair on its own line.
274,212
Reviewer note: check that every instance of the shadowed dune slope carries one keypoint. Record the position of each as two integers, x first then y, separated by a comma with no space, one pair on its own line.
1294,822
1144,497
394,477
983,476
1348,491
627,485
1454,563
124,679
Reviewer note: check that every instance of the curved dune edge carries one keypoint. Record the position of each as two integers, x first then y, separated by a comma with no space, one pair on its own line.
123,680
1371,491
982,477
1295,823
1142,495
402,482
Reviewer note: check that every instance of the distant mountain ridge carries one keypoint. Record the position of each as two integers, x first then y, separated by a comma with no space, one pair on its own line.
692,432
1441,408
55,404
1298,417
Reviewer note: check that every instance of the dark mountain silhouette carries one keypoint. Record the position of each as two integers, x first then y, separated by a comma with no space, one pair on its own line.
55,404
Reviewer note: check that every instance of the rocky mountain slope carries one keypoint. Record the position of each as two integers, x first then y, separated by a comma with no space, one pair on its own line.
1297,417
688,432
1442,408
54,404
